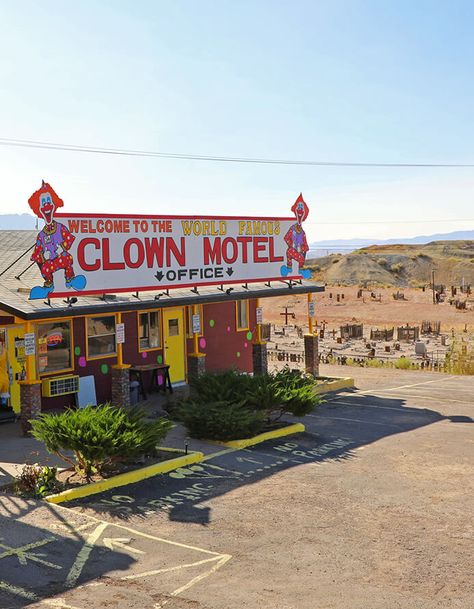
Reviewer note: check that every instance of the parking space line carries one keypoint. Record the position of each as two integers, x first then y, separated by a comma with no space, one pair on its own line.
225,558
83,555
31,596
135,531
408,409
354,421
423,397
169,569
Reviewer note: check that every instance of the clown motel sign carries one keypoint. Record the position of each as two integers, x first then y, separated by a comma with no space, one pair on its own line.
94,254
148,253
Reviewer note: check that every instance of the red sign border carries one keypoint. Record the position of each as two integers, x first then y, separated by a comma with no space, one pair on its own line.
159,288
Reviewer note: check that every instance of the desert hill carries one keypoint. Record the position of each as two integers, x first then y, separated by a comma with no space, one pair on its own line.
399,265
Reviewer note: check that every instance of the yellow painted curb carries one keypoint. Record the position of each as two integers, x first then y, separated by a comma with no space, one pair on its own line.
335,384
127,478
268,435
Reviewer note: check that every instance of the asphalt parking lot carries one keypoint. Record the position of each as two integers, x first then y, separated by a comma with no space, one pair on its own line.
370,508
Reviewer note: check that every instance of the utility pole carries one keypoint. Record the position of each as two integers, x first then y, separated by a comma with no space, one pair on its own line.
433,285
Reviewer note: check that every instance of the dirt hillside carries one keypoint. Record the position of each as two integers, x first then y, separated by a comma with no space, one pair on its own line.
399,265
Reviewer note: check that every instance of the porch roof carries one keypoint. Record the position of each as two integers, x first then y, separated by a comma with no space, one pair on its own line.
17,278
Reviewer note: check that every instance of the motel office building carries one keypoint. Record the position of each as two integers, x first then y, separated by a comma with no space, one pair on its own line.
48,346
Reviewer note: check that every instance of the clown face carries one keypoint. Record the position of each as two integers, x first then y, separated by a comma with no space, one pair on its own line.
47,207
299,212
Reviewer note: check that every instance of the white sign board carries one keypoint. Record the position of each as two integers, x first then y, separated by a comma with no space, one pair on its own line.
30,343
259,315
120,333
311,308
196,324
115,253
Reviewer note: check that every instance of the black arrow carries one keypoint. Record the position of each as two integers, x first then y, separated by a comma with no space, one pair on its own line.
159,275
230,271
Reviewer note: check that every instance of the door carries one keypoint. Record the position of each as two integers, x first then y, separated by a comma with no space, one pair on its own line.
16,361
174,343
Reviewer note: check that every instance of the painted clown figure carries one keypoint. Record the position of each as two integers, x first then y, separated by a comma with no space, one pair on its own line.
52,244
295,239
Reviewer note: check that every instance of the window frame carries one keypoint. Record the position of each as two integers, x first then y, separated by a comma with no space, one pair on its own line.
246,303
69,320
86,320
160,327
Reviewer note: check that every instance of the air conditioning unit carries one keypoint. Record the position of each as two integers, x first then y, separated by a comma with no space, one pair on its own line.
60,385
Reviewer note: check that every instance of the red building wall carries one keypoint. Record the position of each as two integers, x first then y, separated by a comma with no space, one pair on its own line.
225,347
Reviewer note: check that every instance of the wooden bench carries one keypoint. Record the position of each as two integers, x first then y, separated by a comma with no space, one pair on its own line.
157,371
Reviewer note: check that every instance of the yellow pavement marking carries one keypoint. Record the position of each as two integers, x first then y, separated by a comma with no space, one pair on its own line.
18,591
126,478
83,555
59,603
219,453
225,558
121,542
176,568
136,532
24,553
218,558
263,437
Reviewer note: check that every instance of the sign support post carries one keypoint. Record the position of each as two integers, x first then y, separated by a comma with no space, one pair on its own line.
30,388
120,373
310,318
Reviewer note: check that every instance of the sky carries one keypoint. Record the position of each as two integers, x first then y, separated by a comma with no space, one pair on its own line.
360,81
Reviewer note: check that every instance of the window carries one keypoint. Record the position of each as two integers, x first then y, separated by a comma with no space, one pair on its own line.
149,331
101,336
54,346
242,314
189,319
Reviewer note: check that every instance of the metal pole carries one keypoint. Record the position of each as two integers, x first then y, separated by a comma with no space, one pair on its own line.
433,285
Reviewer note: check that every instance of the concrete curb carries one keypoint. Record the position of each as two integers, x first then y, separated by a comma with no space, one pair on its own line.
334,383
127,478
268,435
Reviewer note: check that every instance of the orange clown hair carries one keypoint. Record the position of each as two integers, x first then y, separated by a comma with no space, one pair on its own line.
34,200
295,205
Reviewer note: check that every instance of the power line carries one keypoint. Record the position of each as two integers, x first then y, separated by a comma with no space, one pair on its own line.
218,159
424,221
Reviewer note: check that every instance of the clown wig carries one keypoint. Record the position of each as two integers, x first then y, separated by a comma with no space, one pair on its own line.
34,200
299,201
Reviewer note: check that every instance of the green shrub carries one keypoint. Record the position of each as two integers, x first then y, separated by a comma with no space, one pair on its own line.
220,420
37,481
296,391
403,363
99,436
227,386
231,405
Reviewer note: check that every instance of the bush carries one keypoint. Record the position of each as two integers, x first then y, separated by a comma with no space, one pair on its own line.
232,405
220,420
296,392
403,363
228,386
397,267
99,436
37,481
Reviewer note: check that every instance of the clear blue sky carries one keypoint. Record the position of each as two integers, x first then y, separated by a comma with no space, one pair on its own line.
374,81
